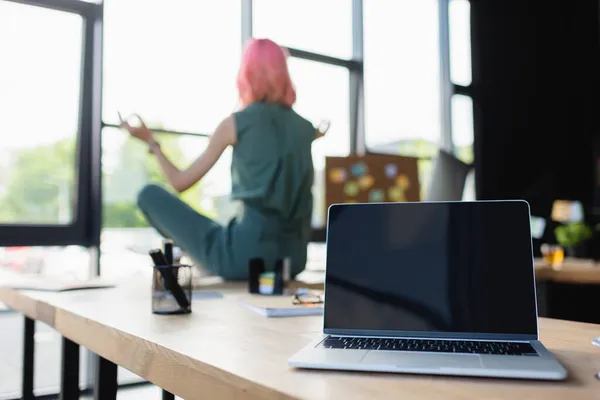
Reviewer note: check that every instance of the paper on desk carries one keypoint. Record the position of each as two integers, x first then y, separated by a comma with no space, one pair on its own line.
53,285
279,306
206,295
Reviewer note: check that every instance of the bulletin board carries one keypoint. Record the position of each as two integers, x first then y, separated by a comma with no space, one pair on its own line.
371,178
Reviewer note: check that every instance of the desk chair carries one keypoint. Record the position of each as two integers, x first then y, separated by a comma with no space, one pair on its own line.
448,179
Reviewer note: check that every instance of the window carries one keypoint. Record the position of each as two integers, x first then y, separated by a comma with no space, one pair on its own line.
317,26
176,69
322,93
173,63
460,41
39,84
402,90
323,90
462,127
40,179
126,168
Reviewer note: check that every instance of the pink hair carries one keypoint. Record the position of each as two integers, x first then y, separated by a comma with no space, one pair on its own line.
264,74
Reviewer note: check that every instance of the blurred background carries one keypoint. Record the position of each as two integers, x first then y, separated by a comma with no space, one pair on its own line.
496,99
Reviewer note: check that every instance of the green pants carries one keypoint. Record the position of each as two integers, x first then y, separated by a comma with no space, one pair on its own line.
226,250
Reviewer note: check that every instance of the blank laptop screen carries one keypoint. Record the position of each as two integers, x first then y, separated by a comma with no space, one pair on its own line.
431,267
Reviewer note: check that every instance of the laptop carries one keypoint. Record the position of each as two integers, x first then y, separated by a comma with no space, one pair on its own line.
431,288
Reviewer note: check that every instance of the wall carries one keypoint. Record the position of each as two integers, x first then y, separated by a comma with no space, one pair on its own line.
535,88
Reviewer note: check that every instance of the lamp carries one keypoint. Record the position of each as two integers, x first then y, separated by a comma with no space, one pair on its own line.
566,211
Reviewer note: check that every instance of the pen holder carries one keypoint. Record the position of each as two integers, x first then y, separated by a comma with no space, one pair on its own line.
172,289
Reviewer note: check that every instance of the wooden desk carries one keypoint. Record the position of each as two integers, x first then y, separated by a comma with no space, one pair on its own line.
224,351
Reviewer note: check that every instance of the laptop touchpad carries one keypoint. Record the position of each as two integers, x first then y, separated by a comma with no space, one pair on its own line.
422,360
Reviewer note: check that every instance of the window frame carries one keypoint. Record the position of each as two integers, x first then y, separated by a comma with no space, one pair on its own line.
87,222
83,230
86,227
354,65
447,87
356,90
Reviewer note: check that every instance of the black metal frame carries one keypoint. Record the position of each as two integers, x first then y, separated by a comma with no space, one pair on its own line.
454,89
105,381
28,359
162,131
69,375
463,90
83,230
167,395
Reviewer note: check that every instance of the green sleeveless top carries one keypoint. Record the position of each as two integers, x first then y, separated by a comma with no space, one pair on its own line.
271,167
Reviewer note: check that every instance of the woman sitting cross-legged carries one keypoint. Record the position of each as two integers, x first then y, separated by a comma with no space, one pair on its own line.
271,171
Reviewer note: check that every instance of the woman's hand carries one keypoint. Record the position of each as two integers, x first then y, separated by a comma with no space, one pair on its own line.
141,132
322,128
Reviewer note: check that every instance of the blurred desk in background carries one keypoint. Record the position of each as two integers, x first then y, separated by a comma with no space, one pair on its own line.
572,270
569,292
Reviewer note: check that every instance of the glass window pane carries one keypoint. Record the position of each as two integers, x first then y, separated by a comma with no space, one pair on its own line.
425,171
172,62
462,127
402,93
39,99
460,41
127,167
322,93
314,25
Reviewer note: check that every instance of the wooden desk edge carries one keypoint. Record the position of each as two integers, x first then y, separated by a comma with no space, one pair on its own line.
169,369
216,383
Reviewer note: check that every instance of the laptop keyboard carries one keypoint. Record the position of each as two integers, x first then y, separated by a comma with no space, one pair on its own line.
428,345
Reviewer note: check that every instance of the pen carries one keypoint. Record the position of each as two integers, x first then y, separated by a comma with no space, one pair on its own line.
168,249
158,258
171,283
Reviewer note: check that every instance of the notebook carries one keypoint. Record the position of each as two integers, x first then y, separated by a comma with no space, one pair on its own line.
279,306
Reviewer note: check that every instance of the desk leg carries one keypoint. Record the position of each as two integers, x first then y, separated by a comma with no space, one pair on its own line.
105,383
28,365
69,377
167,396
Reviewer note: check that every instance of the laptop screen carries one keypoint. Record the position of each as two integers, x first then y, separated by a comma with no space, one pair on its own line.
462,267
